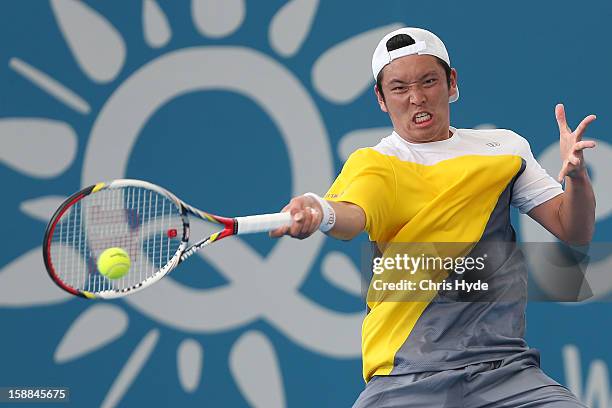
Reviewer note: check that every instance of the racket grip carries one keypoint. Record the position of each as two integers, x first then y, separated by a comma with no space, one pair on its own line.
262,223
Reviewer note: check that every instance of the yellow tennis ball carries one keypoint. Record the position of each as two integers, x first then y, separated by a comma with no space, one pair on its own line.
114,263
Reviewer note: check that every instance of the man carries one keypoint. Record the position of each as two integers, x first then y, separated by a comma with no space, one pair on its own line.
431,183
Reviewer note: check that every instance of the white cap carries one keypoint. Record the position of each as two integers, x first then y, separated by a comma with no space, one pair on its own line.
425,43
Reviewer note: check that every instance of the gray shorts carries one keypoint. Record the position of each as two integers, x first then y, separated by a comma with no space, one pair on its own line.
516,381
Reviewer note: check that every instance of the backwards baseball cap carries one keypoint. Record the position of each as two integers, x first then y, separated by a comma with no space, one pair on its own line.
425,43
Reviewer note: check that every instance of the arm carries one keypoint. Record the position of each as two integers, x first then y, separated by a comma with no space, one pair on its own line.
570,216
307,215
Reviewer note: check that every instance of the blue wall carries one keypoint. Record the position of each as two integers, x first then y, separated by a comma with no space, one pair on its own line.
282,91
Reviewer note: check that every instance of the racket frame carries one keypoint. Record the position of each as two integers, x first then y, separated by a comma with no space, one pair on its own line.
231,226
115,293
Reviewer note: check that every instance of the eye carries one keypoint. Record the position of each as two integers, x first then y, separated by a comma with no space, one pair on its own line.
430,81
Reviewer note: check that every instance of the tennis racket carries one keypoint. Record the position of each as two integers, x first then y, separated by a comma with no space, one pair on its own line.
148,222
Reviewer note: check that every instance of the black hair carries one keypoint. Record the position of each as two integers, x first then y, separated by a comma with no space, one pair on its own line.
404,40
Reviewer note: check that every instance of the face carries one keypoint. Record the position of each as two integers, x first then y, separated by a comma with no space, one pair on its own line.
416,98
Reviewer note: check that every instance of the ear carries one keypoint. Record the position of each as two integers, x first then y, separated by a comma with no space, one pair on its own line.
453,82
381,101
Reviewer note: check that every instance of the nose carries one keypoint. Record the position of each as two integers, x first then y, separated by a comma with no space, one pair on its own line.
417,96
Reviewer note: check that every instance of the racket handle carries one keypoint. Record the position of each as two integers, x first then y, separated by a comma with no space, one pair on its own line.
262,223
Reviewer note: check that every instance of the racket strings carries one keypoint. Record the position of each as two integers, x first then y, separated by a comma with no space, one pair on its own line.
146,224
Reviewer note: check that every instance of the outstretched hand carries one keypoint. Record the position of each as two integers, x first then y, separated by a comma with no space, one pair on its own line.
571,144
306,216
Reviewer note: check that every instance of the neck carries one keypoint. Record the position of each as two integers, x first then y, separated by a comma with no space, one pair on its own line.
441,137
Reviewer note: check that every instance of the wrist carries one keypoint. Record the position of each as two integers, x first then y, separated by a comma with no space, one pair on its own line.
578,175
329,215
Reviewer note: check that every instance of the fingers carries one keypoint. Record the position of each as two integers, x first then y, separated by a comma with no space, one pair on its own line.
575,160
280,231
305,219
586,144
583,126
570,166
305,222
563,126
568,170
298,223
561,120
315,221
564,171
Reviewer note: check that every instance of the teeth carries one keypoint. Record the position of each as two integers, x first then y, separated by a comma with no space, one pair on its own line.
422,117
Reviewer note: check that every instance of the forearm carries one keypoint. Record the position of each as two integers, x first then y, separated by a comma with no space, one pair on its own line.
350,220
577,209
308,213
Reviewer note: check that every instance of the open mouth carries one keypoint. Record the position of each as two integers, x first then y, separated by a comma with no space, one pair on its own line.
422,118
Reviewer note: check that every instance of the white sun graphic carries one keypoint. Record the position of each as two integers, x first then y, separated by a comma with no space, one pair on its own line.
100,52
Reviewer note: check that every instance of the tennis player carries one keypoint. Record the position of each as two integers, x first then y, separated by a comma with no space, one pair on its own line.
430,182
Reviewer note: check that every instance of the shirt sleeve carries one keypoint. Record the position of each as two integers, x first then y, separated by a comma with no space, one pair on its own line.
367,180
534,186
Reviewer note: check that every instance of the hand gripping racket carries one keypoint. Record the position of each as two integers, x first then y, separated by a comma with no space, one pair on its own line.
148,222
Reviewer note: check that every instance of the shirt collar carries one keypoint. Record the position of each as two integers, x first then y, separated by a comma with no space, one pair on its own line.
429,146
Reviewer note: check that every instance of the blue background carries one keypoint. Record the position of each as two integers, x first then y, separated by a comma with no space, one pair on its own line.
515,61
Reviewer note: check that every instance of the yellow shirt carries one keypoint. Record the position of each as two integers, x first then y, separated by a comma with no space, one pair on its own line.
436,192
